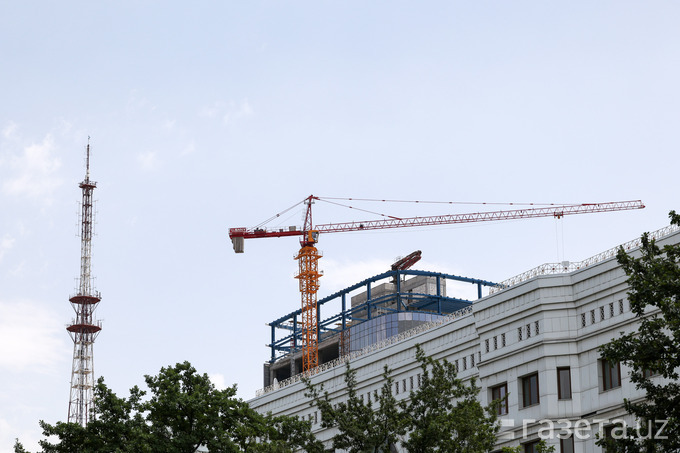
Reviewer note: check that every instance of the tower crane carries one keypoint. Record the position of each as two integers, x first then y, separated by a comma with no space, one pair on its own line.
308,255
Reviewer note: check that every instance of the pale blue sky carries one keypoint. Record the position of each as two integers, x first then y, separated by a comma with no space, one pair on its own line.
212,115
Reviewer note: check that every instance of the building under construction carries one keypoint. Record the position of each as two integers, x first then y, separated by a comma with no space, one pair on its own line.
534,338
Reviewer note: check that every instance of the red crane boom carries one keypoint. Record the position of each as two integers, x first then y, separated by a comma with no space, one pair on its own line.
309,256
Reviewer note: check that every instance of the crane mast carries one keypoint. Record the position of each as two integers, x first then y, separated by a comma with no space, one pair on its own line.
308,256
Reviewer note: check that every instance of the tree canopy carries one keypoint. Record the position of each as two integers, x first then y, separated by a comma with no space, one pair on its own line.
182,412
653,351
441,415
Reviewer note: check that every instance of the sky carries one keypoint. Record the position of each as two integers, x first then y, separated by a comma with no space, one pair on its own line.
208,115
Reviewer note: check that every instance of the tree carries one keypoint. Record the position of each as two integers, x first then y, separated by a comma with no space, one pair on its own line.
184,411
361,428
541,447
654,349
442,414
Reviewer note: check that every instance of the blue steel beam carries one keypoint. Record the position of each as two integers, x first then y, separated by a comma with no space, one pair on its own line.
418,301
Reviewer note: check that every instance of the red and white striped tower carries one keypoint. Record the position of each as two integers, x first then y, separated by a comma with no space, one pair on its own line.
84,328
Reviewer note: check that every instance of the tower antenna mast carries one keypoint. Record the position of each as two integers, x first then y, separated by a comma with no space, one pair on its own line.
84,328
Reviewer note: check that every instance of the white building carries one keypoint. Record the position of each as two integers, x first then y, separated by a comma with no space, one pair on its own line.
536,340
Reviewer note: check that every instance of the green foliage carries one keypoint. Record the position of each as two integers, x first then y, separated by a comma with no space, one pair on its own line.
654,350
441,415
541,447
18,448
444,414
361,427
184,411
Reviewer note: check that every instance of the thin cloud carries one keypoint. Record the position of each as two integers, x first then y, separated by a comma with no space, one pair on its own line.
38,345
9,130
148,160
34,172
6,244
229,112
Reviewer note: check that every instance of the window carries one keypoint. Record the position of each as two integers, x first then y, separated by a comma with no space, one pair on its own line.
530,447
592,316
396,388
495,343
464,363
486,344
611,309
502,339
528,330
419,376
602,313
564,383
472,360
611,375
498,393
536,329
403,385
519,333
455,364
583,319
316,417
410,379
530,390
567,445
620,306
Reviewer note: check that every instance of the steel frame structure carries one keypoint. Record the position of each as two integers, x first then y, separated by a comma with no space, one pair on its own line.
339,323
84,328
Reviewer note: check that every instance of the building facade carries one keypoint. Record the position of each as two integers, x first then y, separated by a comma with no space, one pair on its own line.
535,339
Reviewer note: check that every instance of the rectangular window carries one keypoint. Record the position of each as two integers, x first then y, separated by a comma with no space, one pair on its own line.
502,340
530,390
528,330
567,445
519,333
530,447
602,313
583,319
396,388
316,417
420,377
403,385
592,316
495,343
611,309
564,383
620,306
472,360
536,329
464,363
611,375
455,364
410,379
499,392
486,345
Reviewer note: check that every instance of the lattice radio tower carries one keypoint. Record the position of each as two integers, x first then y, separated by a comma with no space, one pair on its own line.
84,328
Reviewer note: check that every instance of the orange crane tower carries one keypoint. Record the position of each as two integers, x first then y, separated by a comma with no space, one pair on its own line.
308,256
